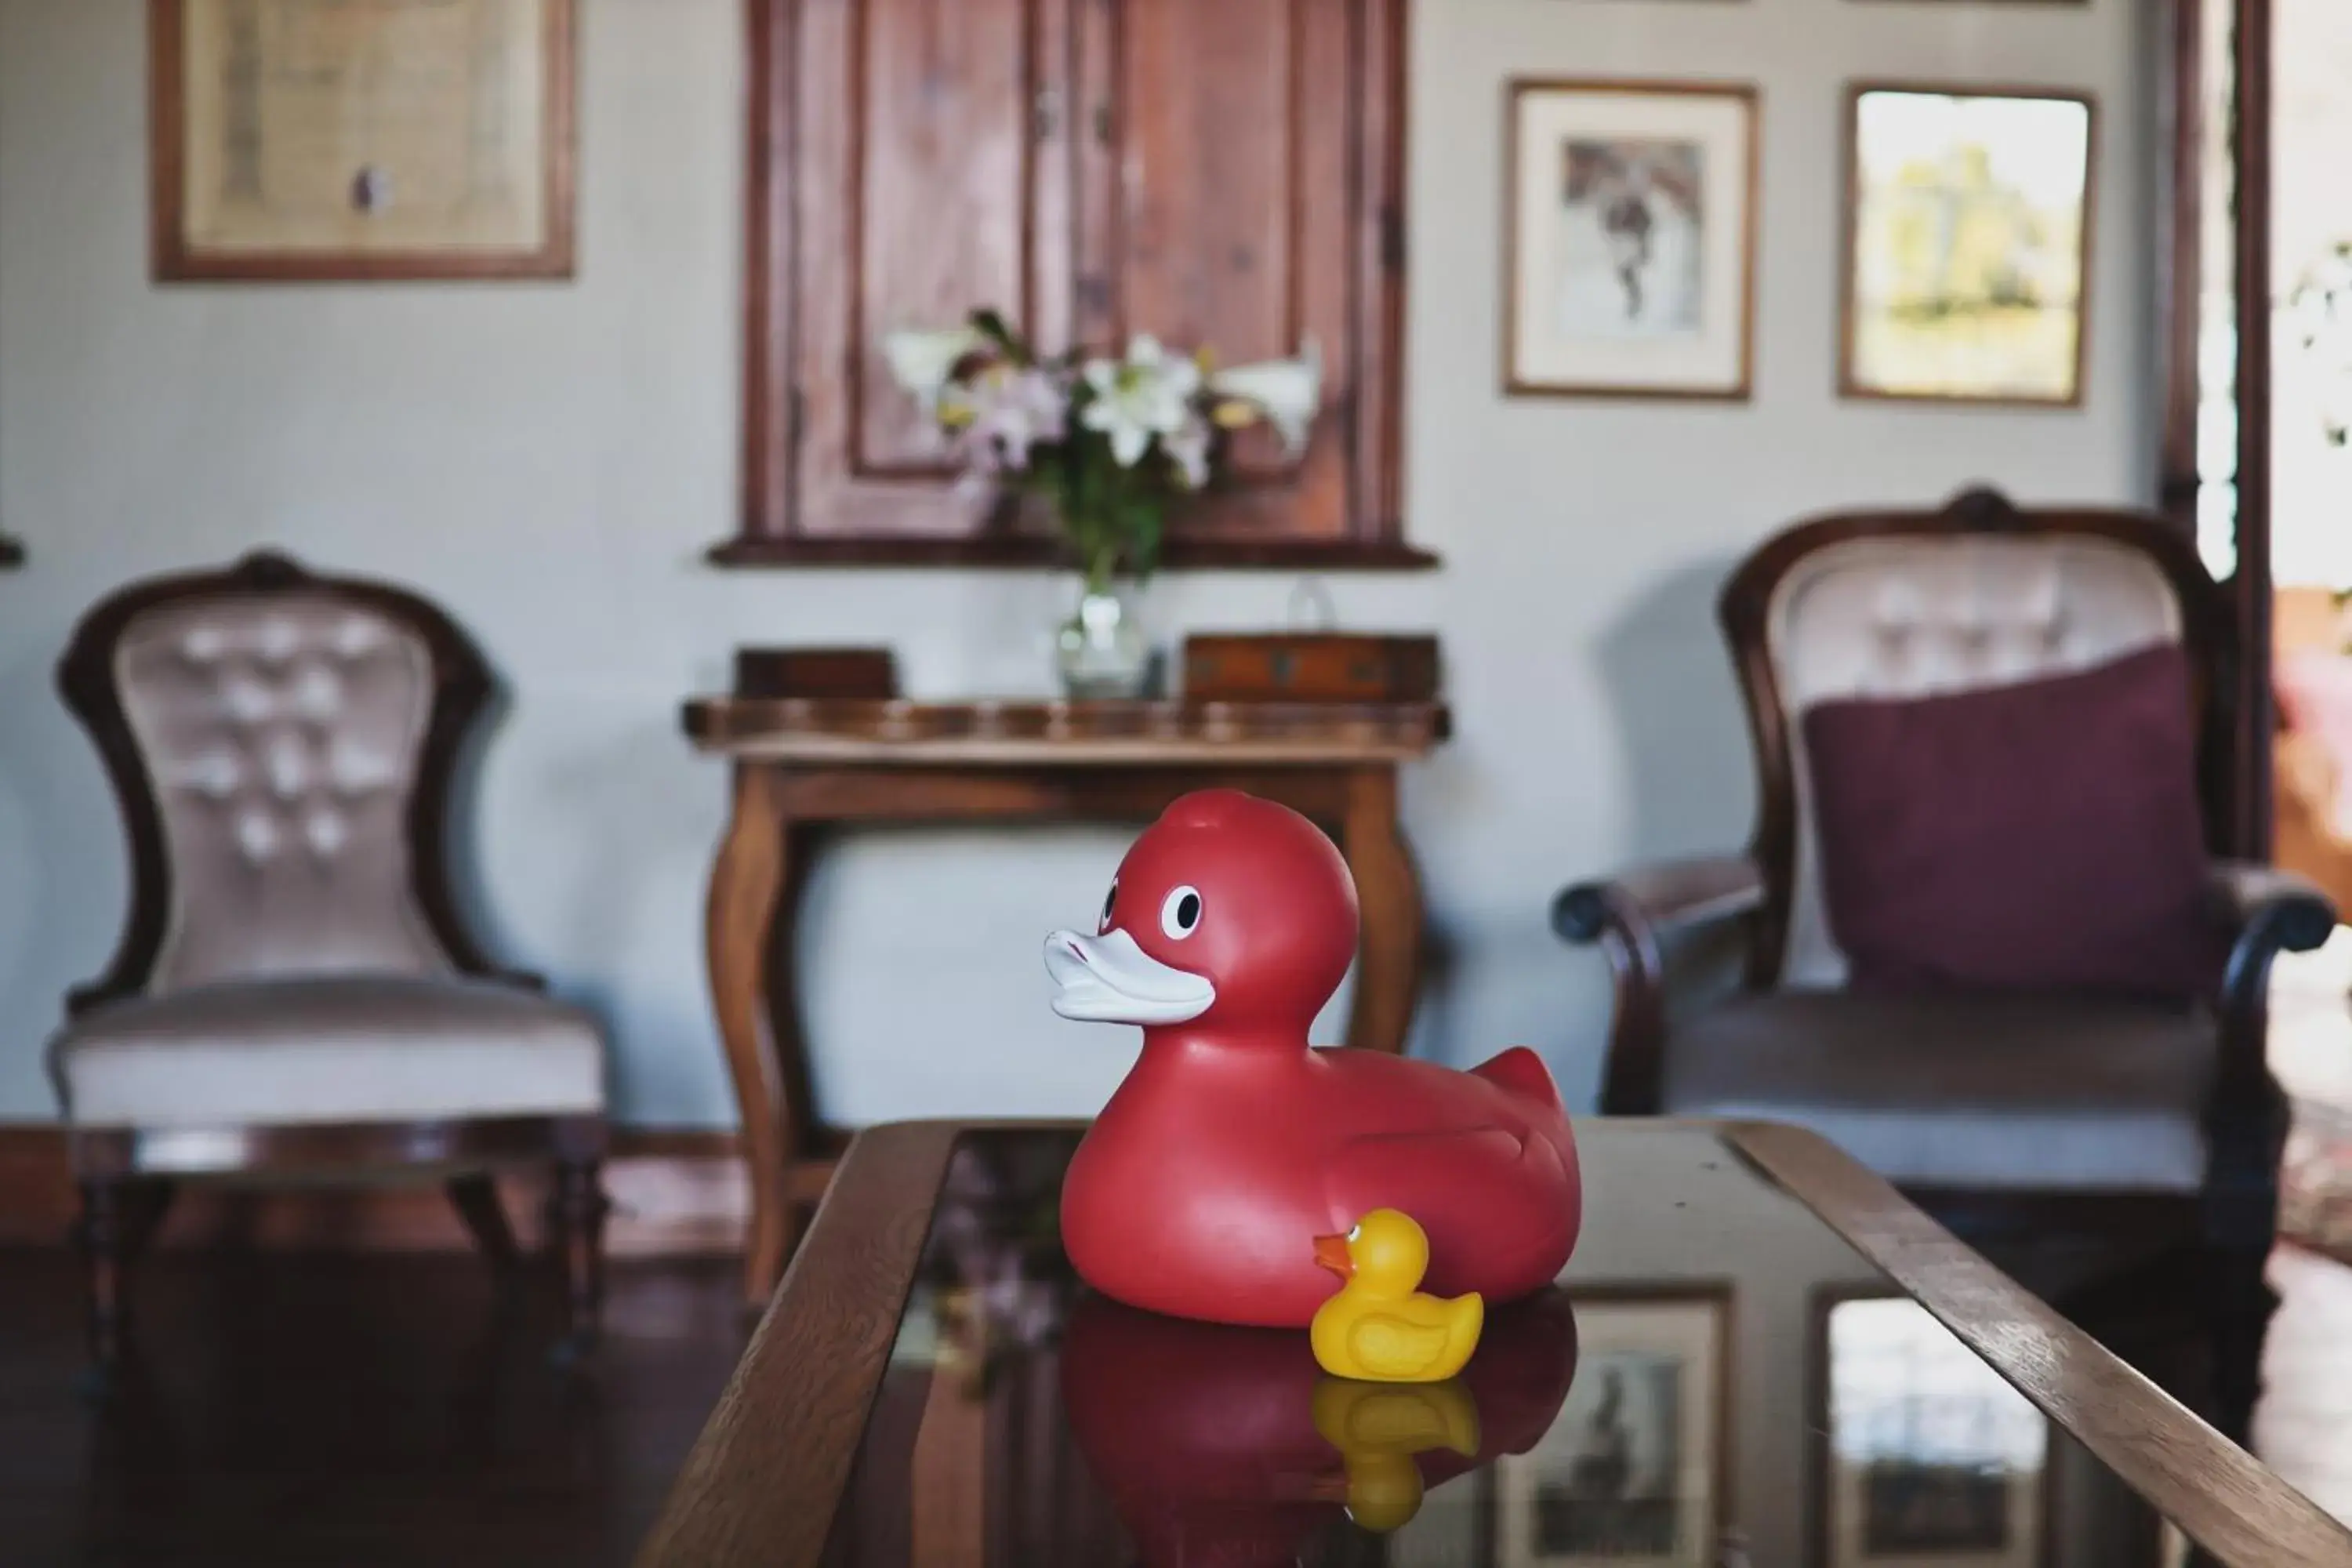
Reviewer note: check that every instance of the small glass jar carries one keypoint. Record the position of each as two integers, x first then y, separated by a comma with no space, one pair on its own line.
1101,651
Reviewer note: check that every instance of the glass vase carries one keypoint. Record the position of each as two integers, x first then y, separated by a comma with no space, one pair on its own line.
1101,652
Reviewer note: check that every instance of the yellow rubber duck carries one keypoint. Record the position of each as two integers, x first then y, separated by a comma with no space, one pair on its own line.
1378,1430
1378,1328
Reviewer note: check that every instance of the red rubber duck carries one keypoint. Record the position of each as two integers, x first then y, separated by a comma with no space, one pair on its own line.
1206,1439
1232,1145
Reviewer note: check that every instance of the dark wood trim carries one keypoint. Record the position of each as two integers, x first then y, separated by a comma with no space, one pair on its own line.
2254,702
1850,388
107,1152
2209,634
166,135
1750,98
1383,279
770,433
756,1489
682,1192
38,1197
2214,1491
86,681
2180,266
1032,552
175,260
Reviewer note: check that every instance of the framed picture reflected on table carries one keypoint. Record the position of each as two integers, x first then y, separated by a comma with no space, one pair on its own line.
1633,1472
1923,1457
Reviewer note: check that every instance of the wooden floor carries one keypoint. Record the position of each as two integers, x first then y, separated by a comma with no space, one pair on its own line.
320,1410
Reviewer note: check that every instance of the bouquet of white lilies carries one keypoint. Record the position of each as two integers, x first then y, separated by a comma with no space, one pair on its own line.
1112,444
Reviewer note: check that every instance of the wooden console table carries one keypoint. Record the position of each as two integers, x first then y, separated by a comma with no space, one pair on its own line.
803,763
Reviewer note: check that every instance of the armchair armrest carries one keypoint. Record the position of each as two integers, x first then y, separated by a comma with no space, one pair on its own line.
2284,909
1659,899
1626,918
2268,912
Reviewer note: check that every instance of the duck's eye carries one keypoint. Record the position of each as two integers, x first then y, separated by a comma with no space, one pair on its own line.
1179,917
1109,899
1356,1232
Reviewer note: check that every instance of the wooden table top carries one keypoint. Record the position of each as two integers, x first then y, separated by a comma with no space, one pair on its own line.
1764,1231
899,732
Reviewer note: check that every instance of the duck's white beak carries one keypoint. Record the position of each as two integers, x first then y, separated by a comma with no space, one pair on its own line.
1109,979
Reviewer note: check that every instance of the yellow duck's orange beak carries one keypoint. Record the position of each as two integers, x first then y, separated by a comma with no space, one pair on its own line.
1331,1252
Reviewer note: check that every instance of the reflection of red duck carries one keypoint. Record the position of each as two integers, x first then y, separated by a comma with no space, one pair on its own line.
1204,1437
1231,1145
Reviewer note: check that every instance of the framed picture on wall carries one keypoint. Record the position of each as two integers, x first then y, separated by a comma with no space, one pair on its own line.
1631,1472
319,138
1967,226
1923,1456
1631,250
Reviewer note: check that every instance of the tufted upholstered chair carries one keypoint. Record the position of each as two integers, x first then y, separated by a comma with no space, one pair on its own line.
2003,1113
294,990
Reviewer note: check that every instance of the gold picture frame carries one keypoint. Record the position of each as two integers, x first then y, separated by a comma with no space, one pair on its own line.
2001,315
320,139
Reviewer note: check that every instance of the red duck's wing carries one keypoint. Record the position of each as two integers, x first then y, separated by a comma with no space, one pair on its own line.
1493,1201
1520,1073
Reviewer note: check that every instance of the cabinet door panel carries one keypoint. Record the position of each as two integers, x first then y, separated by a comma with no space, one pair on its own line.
1207,146
1233,200
919,125
1218,173
939,178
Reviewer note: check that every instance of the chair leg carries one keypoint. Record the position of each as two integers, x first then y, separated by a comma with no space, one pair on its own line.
476,1198
102,1244
144,1213
579,1207
2240,1307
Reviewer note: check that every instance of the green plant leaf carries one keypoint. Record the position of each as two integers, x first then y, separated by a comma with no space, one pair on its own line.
989,323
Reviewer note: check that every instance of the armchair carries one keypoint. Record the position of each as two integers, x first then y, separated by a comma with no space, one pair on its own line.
1997,1109
294,992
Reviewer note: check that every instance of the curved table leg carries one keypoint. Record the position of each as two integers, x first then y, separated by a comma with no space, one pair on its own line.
744,883
1388,890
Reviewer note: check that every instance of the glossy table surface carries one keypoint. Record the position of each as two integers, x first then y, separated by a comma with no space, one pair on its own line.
1760,1354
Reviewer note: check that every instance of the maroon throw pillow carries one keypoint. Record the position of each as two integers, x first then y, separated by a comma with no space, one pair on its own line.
2044,836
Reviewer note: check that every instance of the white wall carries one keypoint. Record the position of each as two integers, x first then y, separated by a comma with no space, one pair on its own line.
550,462
2310,212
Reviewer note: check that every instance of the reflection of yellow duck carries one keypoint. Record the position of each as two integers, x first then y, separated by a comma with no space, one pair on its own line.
1378,1430
1378,1327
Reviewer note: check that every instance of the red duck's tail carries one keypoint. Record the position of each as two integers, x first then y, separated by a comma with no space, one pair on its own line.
1521,1073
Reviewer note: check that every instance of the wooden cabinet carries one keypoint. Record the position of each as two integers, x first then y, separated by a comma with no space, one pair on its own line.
1225,172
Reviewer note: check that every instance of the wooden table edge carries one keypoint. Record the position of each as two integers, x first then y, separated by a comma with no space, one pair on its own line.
748,1494
783,1486
901,732
2220,1495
